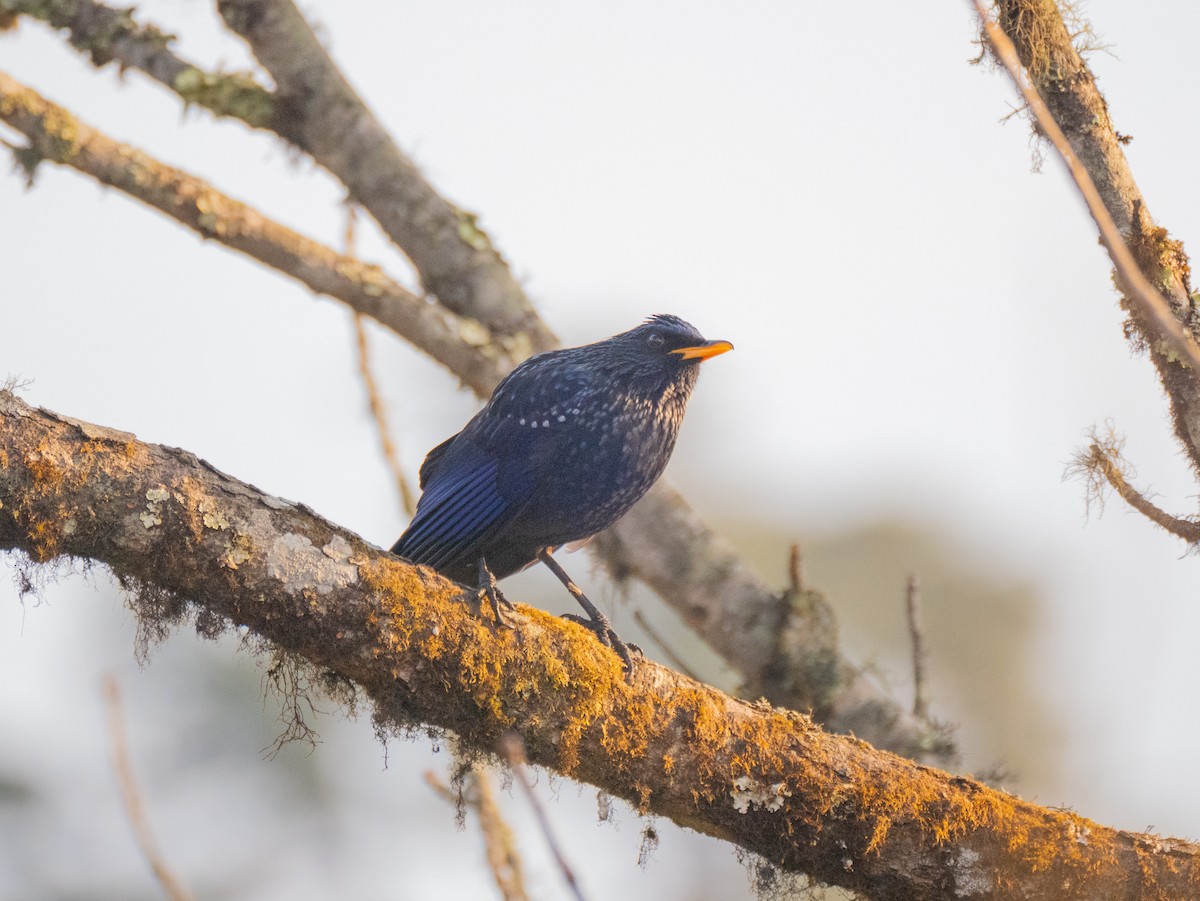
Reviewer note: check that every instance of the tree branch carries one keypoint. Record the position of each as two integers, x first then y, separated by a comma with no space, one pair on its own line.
131,797
107,34
1068,87
328,120
186,538
1149,306
1102,463
461,345
662,541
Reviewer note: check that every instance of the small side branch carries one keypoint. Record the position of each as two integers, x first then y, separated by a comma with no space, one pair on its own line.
131,798
655,636
916,631
379,413
500,844
1102,464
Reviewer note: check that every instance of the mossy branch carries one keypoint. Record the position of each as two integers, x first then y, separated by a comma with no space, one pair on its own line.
1144,300
190,540
107,34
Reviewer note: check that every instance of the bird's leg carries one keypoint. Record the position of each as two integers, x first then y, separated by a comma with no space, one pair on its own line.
491,591
597,621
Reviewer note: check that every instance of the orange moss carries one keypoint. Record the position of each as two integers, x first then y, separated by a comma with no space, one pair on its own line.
508,679
809,780
43,510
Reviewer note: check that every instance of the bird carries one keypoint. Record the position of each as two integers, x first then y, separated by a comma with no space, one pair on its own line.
567,443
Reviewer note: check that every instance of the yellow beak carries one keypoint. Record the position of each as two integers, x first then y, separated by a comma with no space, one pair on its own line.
703,351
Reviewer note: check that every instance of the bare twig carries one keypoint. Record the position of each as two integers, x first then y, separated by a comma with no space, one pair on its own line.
379,413
1151,303
513,750
916,631
131,797
434,781
795,568
498,839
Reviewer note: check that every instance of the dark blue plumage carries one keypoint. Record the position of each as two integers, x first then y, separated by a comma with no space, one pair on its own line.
566,444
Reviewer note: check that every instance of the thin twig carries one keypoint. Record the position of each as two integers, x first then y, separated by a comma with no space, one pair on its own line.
499,842
378,410
498,838
131,797
380,415
796,569
512,748
916,630
1150,302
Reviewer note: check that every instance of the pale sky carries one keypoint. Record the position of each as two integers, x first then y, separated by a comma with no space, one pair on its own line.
925,329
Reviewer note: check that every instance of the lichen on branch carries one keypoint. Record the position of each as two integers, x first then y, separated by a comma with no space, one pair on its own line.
769,780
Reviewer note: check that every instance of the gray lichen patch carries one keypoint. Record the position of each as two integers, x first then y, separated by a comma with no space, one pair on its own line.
212,516
299,565
338,549
749,793
238,553
152,515
970,880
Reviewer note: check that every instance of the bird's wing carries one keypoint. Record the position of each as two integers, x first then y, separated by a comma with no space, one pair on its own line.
430,464
476,483
460,507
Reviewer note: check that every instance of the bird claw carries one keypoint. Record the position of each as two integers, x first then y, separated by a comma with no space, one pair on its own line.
498,602
603,630
489,590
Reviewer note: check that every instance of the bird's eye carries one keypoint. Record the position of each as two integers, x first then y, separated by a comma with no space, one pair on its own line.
655,340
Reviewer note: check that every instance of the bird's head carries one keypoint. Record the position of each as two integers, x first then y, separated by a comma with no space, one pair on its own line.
663,350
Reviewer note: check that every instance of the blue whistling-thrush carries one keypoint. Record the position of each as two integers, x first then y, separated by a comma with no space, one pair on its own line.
566,444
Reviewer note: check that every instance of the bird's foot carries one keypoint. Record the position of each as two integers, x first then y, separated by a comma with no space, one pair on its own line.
494,598
599,626
490,591
595,621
